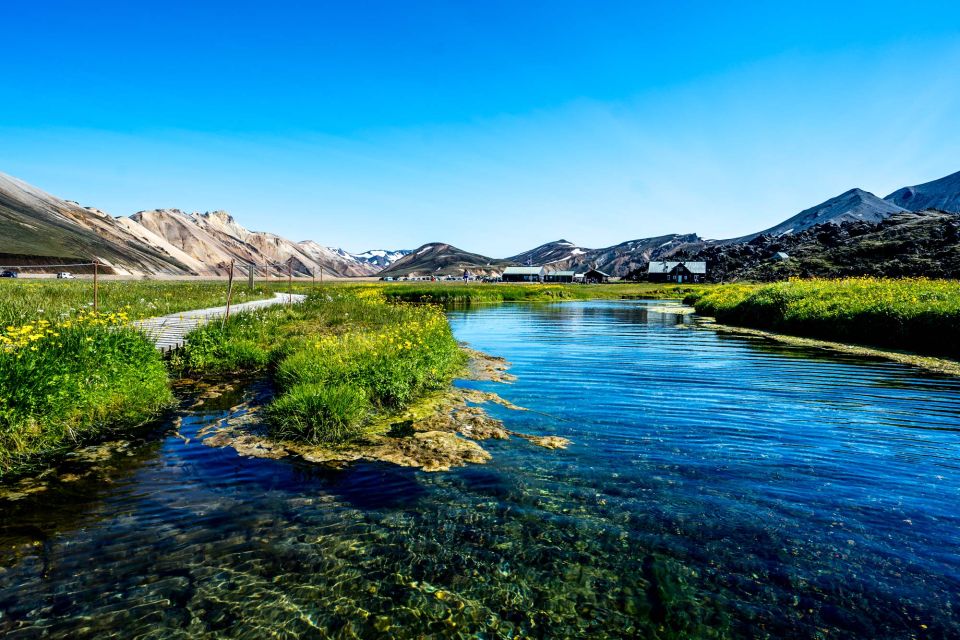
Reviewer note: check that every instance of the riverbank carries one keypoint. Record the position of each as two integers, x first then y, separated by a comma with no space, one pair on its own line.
930,364
912,314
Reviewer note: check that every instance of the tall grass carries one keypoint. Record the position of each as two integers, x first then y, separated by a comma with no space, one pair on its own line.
23,300
61,384
915,314
341,358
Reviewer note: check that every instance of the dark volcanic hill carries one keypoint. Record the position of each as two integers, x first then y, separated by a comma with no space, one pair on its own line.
855,205
438,258
942,194
925,243
559,254
621,259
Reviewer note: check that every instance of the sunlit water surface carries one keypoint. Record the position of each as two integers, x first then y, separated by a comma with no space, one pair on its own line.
717,487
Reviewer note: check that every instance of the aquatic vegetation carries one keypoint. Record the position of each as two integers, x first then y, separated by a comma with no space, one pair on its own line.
912,313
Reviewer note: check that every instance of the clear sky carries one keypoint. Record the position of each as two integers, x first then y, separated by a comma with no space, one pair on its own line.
494,126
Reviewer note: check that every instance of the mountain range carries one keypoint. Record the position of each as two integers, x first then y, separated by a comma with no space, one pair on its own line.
857,209
37,228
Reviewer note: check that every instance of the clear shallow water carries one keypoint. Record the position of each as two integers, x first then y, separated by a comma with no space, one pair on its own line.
717,487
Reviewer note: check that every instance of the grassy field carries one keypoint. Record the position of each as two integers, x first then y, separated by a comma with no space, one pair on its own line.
458,293
23,301
914,314
340,359
64,383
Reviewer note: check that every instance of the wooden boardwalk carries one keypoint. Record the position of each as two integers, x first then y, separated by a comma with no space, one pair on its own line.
170,332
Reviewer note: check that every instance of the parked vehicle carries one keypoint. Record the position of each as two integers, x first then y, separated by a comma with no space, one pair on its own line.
65,275
9,274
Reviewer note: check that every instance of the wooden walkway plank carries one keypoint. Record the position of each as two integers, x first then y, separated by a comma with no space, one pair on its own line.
169,332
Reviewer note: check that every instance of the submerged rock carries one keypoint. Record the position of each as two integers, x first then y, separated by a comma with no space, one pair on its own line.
547,442
428,450
483,366
436,434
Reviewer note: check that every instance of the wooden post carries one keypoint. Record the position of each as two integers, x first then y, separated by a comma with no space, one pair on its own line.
321,275
290,280
96,286
226,316
251,274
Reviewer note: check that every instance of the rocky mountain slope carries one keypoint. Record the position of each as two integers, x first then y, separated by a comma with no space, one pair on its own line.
215,238
559,254
855,205
623,258
38,228
438,258
942,194
377,258
925,243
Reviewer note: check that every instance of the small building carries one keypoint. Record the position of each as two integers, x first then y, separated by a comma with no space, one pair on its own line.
665,271
524,274
780,256
560,276
595,276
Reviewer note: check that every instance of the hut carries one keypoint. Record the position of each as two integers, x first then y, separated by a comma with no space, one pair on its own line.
665,271
523,274
595,276
560,276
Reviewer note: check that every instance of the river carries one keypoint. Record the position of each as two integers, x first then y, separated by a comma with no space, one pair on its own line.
717,486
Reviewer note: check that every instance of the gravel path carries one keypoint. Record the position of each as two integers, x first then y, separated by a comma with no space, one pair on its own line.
170,332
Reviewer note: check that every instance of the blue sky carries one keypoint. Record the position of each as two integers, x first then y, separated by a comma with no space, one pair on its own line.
495,126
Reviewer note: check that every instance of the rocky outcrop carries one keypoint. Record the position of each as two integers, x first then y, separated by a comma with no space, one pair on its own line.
213,239
925,243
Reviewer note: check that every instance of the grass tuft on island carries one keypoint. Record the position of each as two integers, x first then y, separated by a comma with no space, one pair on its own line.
914,314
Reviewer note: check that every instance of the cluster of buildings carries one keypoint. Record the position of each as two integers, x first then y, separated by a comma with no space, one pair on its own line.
657,271
540,274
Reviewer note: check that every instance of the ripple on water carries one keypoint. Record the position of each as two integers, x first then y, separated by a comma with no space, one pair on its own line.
718,486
